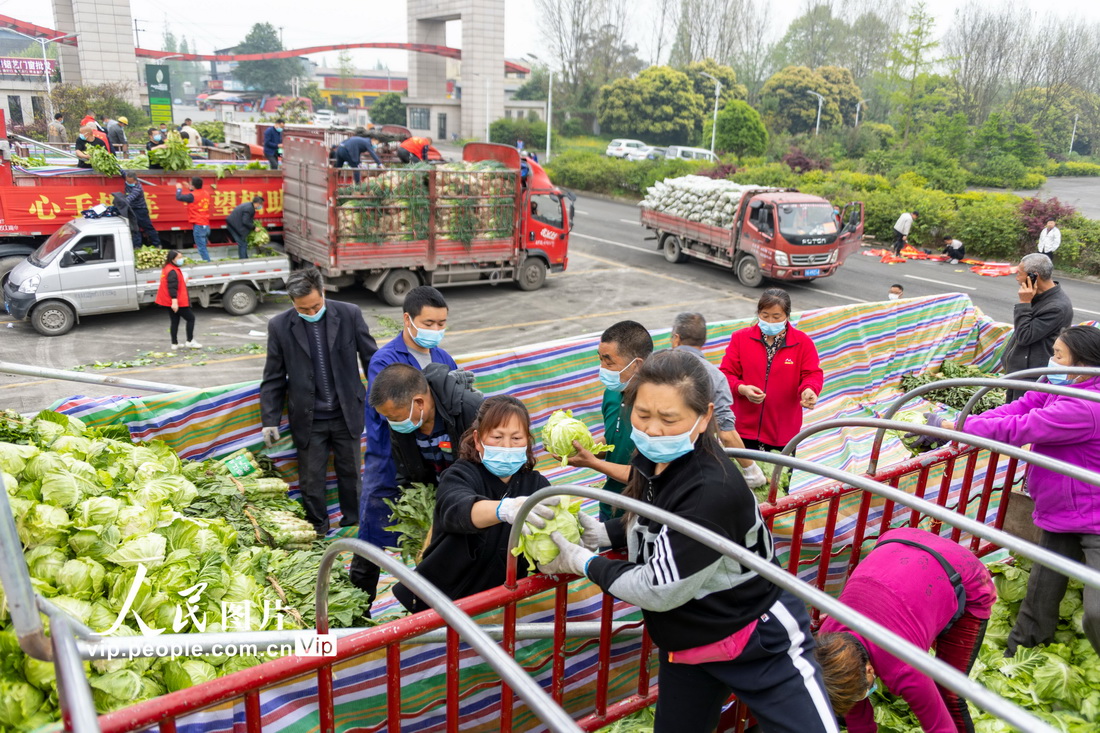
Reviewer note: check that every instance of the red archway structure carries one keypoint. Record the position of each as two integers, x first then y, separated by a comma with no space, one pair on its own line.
446,51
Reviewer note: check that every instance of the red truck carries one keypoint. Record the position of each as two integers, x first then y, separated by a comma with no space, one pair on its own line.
396,228
777,233
35,205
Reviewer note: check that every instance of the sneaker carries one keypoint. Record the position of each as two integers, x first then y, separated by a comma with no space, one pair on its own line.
193,345
175,347
954,262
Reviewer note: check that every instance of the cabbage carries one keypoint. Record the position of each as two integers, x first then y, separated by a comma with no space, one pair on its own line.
42,524
13,458
40,674
63,489
95,542
137,520
78,609
81,578
43,463
18,702
116,689
538,547
916,418
45,563
99,510
181,675
560,432
147,550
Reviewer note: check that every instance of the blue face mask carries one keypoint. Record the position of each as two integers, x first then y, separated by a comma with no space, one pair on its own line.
1058,378
157,138
871,690
612,380
407,425
771,329
663,448
504,462
315,317
426,338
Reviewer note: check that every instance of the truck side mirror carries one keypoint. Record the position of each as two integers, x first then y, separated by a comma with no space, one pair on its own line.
68,260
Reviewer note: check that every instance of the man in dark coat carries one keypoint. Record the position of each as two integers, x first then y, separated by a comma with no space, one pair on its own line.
427,413
1044,311
314,353
140,222
241,221
273,144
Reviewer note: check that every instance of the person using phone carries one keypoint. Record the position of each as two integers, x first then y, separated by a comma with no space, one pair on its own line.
1043,312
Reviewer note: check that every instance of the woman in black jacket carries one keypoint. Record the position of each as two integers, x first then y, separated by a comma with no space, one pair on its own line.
720,626
476,502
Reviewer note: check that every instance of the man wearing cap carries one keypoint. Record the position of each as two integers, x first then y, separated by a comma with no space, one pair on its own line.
116,135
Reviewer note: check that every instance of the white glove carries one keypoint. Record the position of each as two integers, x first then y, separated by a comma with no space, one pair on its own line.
754,476
507,510
271,436
593,532
571,559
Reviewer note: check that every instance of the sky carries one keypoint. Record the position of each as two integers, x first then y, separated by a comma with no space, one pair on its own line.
218,24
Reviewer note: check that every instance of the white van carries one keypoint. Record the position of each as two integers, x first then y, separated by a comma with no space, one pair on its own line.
619,148
676,151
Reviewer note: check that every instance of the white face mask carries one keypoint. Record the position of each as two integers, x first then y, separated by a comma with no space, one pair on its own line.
894,296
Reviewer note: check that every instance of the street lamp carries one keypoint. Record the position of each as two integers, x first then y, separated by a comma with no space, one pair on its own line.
549,106
820,102
45,61
858,105
714,122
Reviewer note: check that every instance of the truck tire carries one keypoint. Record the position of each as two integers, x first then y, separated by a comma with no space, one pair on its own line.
673,249
8,264
396,286
532,274
239,299
748,272
53,318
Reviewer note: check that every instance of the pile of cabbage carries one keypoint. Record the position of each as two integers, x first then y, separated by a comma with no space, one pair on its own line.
704,200
562,429
98,515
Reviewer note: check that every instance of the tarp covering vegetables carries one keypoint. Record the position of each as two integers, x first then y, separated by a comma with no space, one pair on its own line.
705,200
562,429
98,514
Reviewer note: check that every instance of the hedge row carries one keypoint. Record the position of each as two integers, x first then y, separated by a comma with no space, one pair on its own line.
597,173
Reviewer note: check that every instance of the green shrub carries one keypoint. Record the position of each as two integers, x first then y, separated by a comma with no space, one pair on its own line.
1000,171
508,131
937,213
1073,168
989,226
941,171
778,175
574,127
1080,244
594,172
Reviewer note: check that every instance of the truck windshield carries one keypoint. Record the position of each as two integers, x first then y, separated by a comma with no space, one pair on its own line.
53,245
808,223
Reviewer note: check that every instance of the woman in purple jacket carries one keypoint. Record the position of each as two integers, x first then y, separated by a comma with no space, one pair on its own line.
1067,510
931,592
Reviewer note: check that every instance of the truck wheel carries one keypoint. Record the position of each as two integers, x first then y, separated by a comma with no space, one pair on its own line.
674,251
53,318
396,286
240,300
6,266
748,272
532,274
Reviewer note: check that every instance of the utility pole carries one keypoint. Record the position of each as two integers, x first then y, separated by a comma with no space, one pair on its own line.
820,102
281,36
1073,135
714,122
137,33
858,105
549,114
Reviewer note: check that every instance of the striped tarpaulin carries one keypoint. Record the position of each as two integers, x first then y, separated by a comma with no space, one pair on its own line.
865,349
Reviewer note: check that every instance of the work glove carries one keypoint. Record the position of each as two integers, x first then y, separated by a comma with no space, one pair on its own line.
754,476
464,377
571,560
927,442
935,419
593,532
271,436
507,510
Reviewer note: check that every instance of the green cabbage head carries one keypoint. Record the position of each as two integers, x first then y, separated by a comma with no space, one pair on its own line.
916,418
538,547
560,432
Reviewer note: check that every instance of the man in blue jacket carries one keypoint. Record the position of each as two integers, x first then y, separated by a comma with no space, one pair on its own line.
350,152
425,321
273,143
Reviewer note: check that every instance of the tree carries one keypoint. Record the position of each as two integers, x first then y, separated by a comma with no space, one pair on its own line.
346,68
74,101
659,104
794,108
536,87
909,60
741,130
868,46
752,54
312,92
666,21
704,87
388,110
706,29
842,89
981,44
813,39
271,75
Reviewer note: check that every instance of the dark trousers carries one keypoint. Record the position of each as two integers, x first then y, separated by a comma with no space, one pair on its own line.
758,445
1038,618
776,676
959,647
374,517
956,254
1050,256
174,317
406,157
329,437
344,159
273,161
241,238
899,243
142,224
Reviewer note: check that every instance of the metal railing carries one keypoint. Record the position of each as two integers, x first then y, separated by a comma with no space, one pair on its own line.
905,651
108,380
1024,374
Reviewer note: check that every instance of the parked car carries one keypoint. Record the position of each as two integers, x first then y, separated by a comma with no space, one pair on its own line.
619,148
676,151
649,152
324,117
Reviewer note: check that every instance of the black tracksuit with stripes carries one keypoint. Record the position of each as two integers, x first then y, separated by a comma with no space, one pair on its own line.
692,596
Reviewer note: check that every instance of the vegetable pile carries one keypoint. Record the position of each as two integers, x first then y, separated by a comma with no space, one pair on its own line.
98,514
705,200
174,156
562,429
258,237
150,258
411,519
954,397
538,547
104,162
1059,683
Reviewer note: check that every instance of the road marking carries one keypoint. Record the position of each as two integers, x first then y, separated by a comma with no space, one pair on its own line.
584,213
629,221
651,273
1085,310
822,292
940,282
650,250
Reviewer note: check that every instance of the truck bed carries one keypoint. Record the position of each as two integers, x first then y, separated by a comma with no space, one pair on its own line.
224,269
686,229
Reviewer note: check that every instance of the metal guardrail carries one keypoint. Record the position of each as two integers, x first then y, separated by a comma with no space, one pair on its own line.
78,712
1023,374
517,678
26,370
905,651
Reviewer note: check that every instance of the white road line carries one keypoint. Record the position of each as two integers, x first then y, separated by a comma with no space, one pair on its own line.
940,282
823,292
584,213
617,244
1085,310
630,221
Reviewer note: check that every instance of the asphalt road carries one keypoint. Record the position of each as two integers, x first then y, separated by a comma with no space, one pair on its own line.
614,273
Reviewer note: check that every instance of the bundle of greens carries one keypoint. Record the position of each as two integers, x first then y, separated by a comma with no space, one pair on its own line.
258,237
411,519
562,429
538,547
954,397
104,162
174,156
98,514
150,258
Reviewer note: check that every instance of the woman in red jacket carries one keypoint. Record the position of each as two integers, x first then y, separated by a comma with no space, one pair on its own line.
172,294
773,371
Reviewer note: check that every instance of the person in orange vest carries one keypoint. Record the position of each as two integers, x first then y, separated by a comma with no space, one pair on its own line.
172,294
198,213
100,133
415,149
